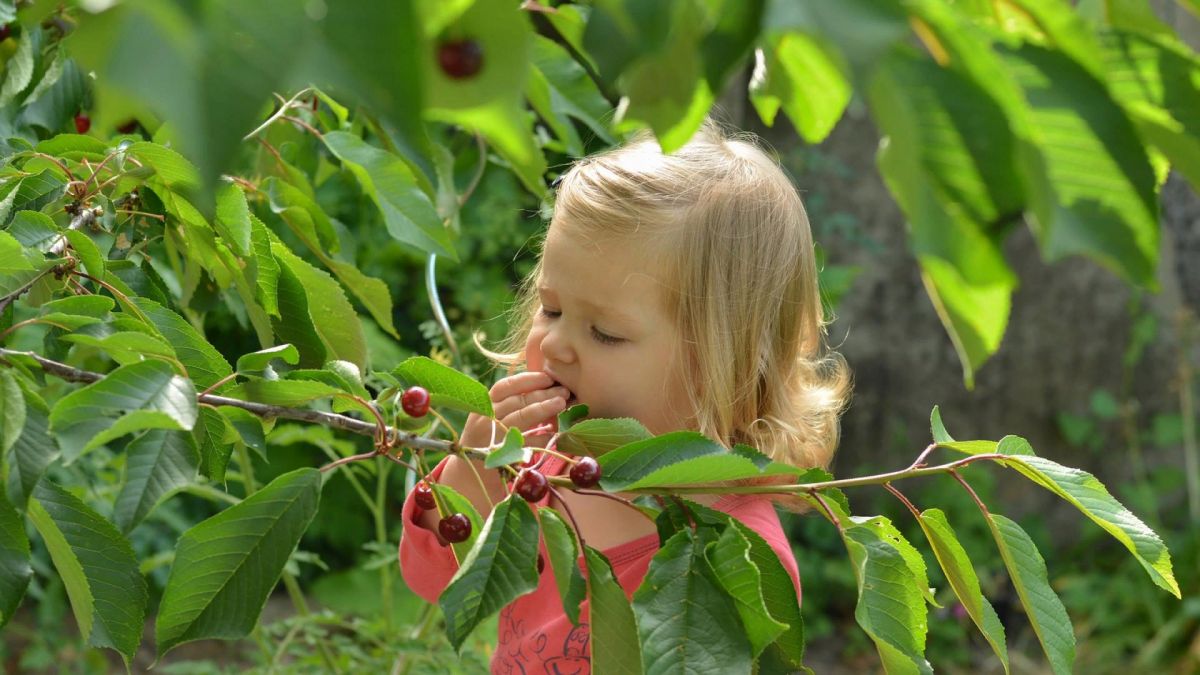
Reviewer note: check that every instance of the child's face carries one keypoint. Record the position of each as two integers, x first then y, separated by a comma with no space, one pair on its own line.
603,333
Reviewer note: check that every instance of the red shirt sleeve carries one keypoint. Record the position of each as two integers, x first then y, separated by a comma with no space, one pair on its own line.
426,565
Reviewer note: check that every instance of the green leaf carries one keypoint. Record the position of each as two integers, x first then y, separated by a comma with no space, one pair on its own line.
446,386
294,321
610,618
125,346
916,562
564,560
288,393
145,395
226,566
89,254
600,436
233,218
98,567
559,89
686,622
265,269
12,411
34,450
176,173
158,463
501,566
260,359
940,435
948,159
304,216
1108,212
959,572
330,312
210,440
15,570
801,74
407,212
18,70
679,458
204,363
97,306
35,230
513,450
1028,573
12,256
729,558
570,416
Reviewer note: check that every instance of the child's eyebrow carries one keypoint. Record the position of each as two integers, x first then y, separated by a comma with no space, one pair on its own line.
605,310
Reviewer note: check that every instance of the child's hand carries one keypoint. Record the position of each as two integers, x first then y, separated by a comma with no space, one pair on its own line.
524,401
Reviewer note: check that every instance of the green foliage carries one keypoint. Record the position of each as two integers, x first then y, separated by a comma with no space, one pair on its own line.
290,240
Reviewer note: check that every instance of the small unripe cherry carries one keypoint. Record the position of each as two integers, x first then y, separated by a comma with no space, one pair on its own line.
585,473
455,528
531,485
415,401
424,496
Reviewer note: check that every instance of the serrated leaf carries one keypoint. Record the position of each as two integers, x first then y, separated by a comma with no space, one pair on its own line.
107,592
294,321
12,411
226,566
679,458
729,558
610,619
265,269
564,561
205,365
1028,573
890,608
446,386
87,251
940,435
796,71
512,450
686,622
13,259
158,463
287,393
560,88
176,172
888,533
97,306
233,218
960,573
260,359
210,440
35,230
599,436
330,312
407,212
145,395
125,346
34,450
15,570
501,566
569,417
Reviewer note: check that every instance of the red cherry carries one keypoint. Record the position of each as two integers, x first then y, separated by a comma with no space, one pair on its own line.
460,59
455,528
5,32
424,496
415,401
531,485
82,123
128,127
585,473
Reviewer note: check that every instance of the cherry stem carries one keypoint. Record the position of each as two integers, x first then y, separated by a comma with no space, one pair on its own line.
615,498
277,114
686,511
967,486
899,495
217,385
829,513
571,516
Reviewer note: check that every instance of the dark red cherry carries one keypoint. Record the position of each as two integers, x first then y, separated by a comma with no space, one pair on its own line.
460,59
585,473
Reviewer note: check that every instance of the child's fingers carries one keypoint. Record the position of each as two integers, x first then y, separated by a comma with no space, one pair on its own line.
514,403
520,383
532,415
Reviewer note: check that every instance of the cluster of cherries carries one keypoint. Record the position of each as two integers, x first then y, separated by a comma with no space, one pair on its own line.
530,484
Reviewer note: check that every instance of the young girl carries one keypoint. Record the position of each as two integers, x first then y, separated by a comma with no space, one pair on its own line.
679,290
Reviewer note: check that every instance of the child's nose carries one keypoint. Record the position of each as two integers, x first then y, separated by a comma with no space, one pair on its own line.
556,346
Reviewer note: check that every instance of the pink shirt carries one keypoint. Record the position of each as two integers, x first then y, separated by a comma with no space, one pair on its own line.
535,636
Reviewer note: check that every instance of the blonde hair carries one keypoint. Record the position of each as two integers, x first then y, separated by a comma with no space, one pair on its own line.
740,278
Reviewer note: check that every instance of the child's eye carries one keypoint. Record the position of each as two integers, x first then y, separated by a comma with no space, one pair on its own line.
549,313
605,338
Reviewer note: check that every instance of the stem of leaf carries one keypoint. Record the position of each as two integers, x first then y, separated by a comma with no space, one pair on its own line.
967,487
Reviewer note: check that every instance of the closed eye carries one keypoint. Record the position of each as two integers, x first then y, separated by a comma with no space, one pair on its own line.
597,335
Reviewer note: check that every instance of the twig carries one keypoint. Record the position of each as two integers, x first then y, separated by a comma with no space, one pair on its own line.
978,501
829,513
899,495
615,498
277,114
571,516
